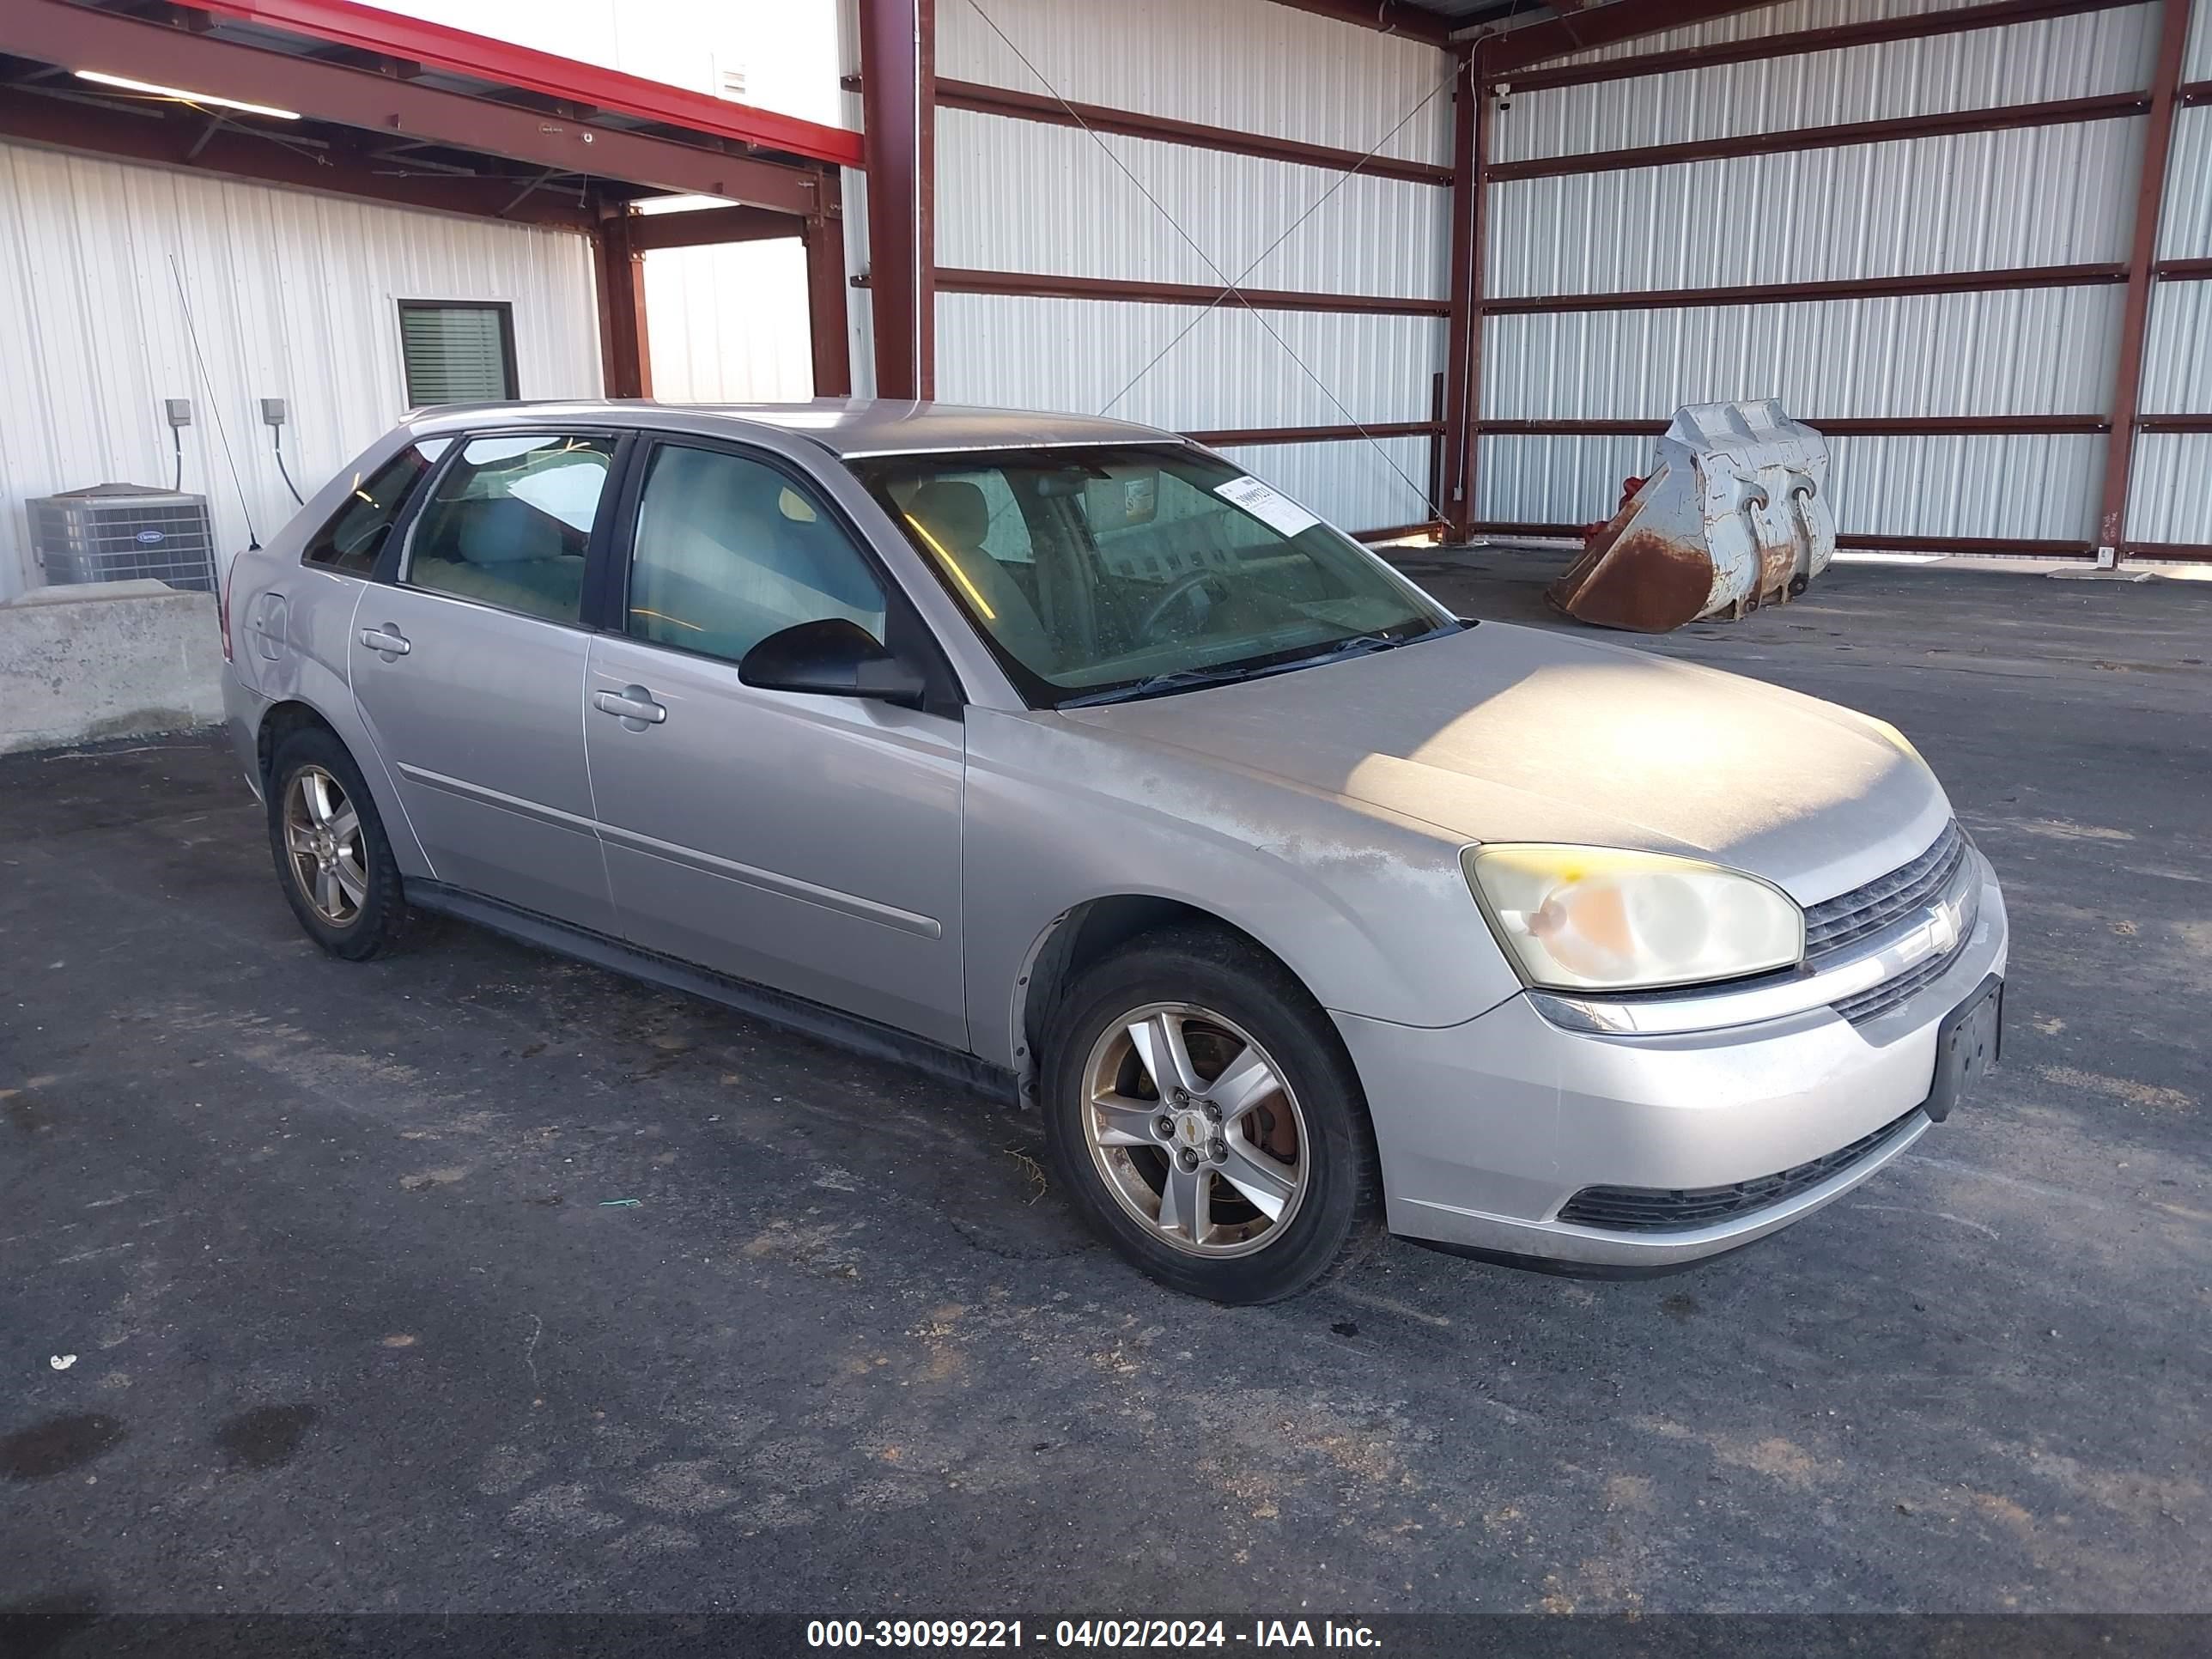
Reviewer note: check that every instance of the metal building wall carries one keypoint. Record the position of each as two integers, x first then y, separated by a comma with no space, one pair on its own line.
1055,201
2060,193
292,296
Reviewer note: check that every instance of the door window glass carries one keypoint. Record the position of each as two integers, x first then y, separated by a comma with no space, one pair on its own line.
355,533
508,523
730,551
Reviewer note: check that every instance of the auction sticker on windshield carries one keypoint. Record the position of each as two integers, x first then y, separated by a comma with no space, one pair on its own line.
1278,512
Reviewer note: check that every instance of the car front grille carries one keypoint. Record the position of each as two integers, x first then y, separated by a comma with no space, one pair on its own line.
1841,922
1899,990
1661,1210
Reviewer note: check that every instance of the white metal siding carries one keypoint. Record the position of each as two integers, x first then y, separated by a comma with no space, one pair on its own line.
2039,195
728,323
1233,369
293,295
2038,488
1251,66
2038,351
2171,499
1020,196
1758,25
2078,57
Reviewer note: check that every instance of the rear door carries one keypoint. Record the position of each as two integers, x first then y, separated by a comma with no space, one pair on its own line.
810,843
468,663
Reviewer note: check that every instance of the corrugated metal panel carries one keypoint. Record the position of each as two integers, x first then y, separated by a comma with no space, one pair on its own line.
1232,369
728,323
1249,64
2197,66
1768,21
2171,499
2040,351
2079,57
2033,489
1020,196
293,297
1969,202
2184,232
1355,486
2178,353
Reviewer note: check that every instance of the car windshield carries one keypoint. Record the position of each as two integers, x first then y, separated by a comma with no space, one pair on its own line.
1099,574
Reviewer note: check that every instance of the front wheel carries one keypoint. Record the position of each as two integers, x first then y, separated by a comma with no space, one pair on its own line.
1205,1119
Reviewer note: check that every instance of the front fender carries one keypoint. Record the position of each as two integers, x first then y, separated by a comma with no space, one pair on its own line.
1368,908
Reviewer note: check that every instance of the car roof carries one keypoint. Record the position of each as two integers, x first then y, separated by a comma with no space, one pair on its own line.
847,427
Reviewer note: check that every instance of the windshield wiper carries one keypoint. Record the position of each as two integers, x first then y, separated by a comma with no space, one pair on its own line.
1182,679
1185,679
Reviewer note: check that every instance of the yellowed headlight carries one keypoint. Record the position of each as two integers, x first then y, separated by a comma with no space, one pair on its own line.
1598,918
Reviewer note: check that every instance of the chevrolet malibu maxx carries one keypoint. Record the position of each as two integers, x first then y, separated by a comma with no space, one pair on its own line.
1064,757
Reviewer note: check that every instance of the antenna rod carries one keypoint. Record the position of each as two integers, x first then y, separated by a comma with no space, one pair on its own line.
215,408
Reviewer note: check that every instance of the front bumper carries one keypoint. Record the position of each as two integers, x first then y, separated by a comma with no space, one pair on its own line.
1487,1129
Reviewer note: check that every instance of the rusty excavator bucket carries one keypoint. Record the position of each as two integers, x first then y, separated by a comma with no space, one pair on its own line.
1735,515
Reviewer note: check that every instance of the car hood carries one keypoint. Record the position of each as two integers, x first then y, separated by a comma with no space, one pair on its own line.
1501,734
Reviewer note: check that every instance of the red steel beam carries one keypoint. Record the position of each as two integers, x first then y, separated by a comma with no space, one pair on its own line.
1850,288
2196,423
1930,426
1039,285
898,70
712,227
2056,112
2194,93
350,171
1132,123
1603,25
2171,552
1463,342
625,347
827,298
2184,271
456,52
1315,434
2135,317
1919,26
1855,543
74,37
1389,16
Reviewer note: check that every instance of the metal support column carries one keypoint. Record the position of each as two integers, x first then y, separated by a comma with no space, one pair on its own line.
827,293
625,348
898,81
2135,323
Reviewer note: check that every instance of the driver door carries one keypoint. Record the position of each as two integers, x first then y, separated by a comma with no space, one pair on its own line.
806,842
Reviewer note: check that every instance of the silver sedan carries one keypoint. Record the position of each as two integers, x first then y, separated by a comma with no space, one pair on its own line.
1064,758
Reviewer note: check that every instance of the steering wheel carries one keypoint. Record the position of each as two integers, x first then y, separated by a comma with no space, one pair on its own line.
1176,590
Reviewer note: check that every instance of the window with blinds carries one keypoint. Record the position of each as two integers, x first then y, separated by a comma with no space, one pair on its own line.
457,353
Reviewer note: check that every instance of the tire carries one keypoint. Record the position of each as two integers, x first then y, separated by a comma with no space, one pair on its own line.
1123,1146
344,888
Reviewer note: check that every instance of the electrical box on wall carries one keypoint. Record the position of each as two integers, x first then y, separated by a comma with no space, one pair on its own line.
178,409
272,411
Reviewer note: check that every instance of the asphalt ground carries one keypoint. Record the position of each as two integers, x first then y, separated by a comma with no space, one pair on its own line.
476,1280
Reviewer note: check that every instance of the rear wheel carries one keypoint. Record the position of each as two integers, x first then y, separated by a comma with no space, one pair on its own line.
333,859
1205,1119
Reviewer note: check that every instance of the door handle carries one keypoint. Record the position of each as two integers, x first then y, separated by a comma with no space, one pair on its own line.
387,640
632,702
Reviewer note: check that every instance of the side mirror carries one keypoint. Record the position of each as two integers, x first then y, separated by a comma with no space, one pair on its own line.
832,658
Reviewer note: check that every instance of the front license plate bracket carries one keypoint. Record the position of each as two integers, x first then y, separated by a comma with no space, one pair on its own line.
1968,1044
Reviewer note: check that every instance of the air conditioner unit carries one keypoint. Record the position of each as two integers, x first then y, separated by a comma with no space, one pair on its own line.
118,532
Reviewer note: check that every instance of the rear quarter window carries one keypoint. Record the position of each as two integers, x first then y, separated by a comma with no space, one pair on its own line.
356,532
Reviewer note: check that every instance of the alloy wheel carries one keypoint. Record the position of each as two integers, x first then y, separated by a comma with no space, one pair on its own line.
323,842
1194,1129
